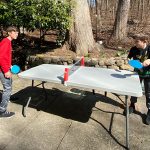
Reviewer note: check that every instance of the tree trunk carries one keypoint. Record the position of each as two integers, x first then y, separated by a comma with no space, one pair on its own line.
80,35
98,19
120,26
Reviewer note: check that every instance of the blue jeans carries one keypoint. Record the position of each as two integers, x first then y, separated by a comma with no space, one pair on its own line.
7,88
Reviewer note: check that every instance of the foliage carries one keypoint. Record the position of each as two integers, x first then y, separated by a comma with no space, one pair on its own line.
37,14
121,52
4,15
102,54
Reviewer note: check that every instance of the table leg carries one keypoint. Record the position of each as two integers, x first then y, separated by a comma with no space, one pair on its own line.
105,94
27,104
29,99
25,107
93,91
127,122
44,90
32,83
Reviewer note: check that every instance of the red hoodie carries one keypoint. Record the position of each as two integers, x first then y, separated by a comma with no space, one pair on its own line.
5,55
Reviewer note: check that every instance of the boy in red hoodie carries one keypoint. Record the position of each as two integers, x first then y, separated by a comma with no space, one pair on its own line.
5,66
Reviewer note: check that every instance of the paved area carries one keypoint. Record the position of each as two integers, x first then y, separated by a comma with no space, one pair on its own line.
70,119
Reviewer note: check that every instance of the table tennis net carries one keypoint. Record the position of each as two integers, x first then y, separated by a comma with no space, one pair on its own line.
74,67
69,71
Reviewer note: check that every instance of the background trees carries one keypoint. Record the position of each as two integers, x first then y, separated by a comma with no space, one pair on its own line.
80,36
138,20
120,26
37,14
73,23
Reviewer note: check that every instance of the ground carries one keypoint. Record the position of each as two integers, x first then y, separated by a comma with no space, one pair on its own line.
71,119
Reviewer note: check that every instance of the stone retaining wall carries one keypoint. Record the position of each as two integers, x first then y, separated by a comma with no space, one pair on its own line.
114,62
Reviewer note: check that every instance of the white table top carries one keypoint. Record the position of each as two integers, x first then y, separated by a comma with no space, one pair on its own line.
121,82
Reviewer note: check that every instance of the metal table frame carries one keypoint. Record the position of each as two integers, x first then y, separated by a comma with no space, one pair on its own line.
126,103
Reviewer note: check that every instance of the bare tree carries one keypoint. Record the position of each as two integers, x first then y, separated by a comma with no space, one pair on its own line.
98,17
120,26
80,35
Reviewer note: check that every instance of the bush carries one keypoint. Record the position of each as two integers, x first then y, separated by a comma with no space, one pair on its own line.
37,14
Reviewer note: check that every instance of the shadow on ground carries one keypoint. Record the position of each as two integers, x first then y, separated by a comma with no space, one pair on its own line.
58,102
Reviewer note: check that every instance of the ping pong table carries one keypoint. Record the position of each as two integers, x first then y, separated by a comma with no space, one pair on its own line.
121,82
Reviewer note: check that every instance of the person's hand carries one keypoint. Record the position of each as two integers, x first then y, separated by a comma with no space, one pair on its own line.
8,74
146,63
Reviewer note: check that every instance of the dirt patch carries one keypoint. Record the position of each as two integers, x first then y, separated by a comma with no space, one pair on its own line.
60,52
48,47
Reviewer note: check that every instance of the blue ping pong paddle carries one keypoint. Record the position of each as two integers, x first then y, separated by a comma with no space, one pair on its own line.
15,69
135,64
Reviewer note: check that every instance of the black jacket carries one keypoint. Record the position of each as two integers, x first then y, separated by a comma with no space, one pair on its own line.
141,55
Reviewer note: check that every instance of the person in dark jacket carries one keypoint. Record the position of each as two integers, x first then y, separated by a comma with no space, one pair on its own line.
5,73
141,52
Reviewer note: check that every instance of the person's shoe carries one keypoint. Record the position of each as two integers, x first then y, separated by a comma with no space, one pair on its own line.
131,109
14,98
148,118
6,114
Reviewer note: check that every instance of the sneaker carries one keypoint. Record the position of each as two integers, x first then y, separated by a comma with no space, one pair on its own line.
148,118
6,114
14,98
131,109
